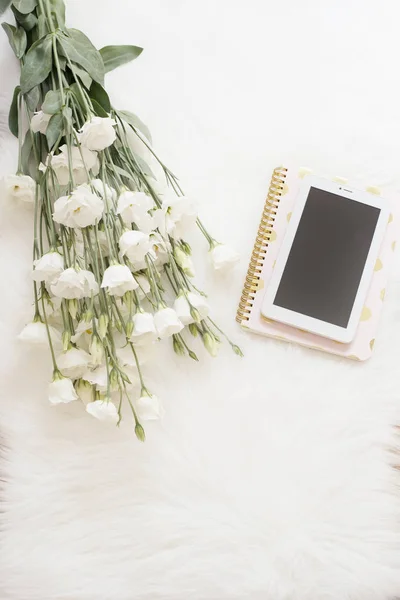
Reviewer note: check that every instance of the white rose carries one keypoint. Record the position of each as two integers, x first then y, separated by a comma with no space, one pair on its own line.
103,410
61,390
40,121
185,302
184,261
223,257
48,267
73,363
83,160
144,329
177,216
20,188
36,333
161,248
133,207
97,377
167,322
149,407
104,190
80,209
135,245
98,133
75,284
84,327
118,279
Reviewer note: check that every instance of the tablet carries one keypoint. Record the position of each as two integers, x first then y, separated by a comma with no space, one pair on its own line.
325,264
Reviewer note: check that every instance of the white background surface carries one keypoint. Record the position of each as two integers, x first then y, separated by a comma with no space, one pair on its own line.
269,477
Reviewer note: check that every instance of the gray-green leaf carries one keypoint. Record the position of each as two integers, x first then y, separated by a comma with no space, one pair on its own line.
4,4
98,109
25,6
54,129
78,95
144,167
52,102
135,122
13,114
98,93
41,26
83,76
124,173
38,64
17,38
32,98
115,56
78,48
58,8
29,164
27,21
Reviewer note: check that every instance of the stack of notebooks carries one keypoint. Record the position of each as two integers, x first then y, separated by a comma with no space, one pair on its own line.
280,202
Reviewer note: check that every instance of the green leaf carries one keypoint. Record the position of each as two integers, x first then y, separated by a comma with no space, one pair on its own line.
32,98
4,4
28,21
54,129
135,122
52,102
13,114
78,48
98,109
38,64
25,6
83,76
98,93
17,39
115,56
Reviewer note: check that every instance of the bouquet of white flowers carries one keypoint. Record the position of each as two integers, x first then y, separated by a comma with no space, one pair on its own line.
111,270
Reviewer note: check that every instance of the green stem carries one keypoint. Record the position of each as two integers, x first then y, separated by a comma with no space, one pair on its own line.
59,73
53,356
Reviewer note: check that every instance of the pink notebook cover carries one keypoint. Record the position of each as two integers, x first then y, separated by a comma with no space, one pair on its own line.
278,208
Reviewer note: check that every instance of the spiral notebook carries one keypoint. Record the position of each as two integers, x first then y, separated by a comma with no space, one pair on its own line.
282,193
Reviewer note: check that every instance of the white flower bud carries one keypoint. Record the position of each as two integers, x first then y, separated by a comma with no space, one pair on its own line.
66,339
184,261
211,344
103,410
103,326
73,307
149,407
96,350
223,257
61,390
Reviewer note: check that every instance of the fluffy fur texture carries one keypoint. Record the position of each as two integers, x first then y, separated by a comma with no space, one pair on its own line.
271,477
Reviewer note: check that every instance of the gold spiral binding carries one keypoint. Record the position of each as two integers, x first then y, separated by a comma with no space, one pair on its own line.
261,244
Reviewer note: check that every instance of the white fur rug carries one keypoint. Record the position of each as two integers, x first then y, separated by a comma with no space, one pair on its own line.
271,477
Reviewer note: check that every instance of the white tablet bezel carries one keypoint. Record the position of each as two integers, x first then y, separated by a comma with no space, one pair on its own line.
289,317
